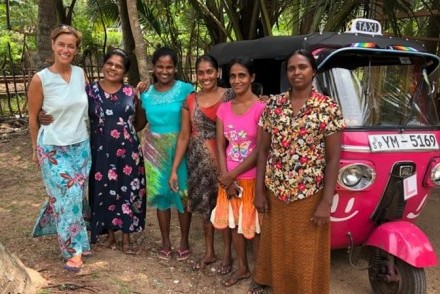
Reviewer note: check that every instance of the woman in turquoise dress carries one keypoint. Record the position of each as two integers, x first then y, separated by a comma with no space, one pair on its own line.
162,103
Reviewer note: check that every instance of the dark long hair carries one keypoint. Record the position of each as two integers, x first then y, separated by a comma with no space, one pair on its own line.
244,61
164,51
121,53
309,56
207,58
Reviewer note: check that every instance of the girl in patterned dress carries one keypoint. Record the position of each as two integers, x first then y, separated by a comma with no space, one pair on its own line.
197,141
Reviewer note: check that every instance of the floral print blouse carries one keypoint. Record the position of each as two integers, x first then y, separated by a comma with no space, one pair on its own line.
296,162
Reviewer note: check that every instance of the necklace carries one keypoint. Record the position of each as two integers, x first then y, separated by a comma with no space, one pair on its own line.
208,99
65,75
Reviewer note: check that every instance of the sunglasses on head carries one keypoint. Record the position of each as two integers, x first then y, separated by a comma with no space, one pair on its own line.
64,26
62,29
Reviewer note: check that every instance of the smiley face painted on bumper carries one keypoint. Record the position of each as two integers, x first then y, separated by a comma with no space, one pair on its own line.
344,211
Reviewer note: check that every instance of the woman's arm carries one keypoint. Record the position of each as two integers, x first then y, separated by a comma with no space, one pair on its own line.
142,86
44,118
332,153
35,103
248,163
264,141
182,145
140,119
221,147
85,77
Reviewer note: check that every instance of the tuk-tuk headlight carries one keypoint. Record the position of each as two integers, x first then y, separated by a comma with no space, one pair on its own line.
435,174
356,176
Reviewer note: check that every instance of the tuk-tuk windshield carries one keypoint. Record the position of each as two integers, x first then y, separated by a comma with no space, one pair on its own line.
383,96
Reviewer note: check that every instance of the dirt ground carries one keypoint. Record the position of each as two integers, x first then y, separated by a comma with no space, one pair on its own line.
108,271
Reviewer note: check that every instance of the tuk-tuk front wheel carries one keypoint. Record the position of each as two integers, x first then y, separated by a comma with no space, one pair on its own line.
391,275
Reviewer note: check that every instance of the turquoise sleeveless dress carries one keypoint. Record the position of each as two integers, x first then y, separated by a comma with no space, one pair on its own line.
162,110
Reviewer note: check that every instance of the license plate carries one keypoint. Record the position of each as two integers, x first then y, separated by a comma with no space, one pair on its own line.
399,142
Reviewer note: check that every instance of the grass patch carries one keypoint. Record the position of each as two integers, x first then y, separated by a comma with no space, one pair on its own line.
12,106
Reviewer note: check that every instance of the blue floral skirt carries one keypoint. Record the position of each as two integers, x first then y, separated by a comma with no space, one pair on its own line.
65,170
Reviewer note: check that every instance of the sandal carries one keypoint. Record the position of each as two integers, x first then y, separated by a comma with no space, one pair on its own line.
129,249
164,254
255,288
183,254
224,269
73,266
234,278
110,245
202,264
87,253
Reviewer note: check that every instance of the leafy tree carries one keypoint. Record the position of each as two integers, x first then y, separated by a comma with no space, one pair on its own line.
17,30
433,28
239,20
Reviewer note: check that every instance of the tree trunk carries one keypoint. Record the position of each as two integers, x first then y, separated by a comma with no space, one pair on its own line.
434,30
140,51
129,45
15,277
47,19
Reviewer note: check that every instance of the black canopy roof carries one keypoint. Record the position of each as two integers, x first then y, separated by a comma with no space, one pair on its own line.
279,47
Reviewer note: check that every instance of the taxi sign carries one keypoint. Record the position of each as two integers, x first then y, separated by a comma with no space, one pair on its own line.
365,26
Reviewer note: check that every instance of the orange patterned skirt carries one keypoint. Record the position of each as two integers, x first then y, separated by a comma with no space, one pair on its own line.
294,253
236,212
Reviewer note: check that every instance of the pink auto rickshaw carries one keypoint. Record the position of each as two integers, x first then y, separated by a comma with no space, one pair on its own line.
390,156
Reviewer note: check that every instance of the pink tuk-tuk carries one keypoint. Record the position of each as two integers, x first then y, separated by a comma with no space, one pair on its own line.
390,156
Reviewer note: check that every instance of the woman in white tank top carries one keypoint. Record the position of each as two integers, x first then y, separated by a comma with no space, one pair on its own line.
62,148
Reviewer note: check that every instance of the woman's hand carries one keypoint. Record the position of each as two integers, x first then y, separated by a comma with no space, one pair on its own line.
231,192
322,213
35,157
173,182
44,119
264,98
261,203
142,86
226,180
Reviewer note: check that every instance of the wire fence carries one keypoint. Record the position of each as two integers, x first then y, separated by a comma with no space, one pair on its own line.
15,78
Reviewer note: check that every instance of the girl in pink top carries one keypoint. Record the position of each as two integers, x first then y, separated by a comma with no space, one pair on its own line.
237,125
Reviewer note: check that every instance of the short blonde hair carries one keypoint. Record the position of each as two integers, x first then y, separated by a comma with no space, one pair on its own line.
66,29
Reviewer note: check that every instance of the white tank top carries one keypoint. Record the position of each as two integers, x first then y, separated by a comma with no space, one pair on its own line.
68,104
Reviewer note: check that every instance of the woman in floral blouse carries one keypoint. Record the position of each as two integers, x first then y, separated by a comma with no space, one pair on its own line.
297,167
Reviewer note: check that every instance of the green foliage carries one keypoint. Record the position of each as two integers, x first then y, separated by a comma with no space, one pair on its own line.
14,106
187,26
10,47
23,19
92,18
